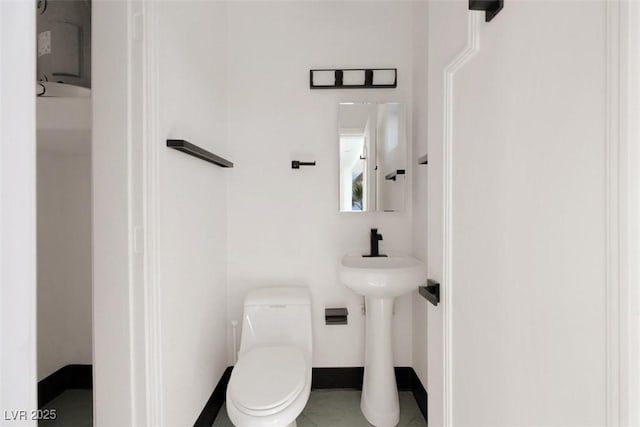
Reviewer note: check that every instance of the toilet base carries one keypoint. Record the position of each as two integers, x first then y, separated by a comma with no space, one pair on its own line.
240,419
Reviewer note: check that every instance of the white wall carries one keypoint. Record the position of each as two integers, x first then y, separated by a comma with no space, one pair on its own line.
421,93
64,257
284,227
630,329
193,210
527,284
114,378
17,210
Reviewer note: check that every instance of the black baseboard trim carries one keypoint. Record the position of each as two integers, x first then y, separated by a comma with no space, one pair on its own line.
351,378
420,394
348,378
70,376
404,378
322,378
215,402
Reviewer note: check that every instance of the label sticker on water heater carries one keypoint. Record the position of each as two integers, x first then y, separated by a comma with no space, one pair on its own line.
44,43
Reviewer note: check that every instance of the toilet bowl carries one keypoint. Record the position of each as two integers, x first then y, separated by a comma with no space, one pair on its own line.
271,383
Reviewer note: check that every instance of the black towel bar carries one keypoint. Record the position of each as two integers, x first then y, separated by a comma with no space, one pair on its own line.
431,292
295,164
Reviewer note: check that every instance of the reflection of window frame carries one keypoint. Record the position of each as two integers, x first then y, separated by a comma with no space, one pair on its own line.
365,172
357,179
348,173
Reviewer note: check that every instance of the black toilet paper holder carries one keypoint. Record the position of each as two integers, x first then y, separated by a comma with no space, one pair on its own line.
336,316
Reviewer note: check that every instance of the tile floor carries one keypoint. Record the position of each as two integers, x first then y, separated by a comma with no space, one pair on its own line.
74,408
326,408
341,408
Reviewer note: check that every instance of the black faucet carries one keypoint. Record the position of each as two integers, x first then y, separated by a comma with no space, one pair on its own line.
375,238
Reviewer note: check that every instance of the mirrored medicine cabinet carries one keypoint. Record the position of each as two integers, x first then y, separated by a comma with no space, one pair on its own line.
373,157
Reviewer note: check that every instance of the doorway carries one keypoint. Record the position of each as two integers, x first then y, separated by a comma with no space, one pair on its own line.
64,212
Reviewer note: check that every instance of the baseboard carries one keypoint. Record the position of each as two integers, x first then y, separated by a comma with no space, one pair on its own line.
70,376
322,378
420,394
347,378
215,402
351,378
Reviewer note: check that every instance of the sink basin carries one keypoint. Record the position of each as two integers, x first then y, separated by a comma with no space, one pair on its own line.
380,280
382,277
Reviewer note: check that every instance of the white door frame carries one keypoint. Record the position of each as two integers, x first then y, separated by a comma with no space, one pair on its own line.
622,206
614,143
129,144
119,285
150,181
469,51
629,214
18,373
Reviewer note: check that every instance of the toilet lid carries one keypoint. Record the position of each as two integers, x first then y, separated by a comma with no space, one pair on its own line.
266,378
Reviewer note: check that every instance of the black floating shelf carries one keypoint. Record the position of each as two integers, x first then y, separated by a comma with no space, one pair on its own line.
491,7
368,82
393,175
423,160
201,153
431,292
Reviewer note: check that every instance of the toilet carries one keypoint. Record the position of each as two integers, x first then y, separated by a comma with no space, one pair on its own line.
271,383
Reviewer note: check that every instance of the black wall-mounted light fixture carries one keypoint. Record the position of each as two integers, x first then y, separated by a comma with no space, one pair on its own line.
491,7
353,78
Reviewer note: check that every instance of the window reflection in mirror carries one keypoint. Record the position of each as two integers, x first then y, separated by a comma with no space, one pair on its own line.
371,145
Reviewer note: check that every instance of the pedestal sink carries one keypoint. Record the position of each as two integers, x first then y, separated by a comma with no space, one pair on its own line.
380,280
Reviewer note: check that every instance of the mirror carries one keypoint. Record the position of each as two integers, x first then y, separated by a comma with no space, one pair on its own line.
373,157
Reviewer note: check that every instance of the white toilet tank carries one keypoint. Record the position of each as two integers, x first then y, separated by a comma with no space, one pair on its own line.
277,316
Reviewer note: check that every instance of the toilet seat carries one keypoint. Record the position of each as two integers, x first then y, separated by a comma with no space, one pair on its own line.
267,379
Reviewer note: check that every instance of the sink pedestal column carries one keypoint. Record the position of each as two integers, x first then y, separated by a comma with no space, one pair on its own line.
379,402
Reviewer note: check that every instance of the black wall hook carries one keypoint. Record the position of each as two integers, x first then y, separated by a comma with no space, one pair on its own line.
295,164
393,175
491,7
